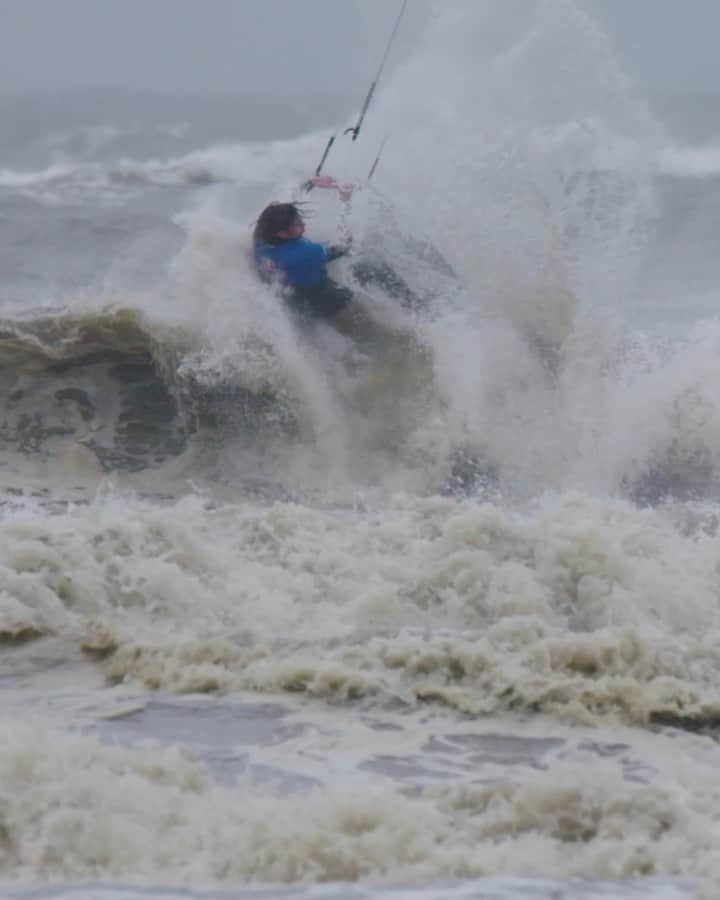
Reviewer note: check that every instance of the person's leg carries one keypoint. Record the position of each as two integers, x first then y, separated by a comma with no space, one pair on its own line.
336,304
358,323
380,273
322,302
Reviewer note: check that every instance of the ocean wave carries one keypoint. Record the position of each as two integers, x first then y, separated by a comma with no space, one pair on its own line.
113,383
239,163
421,402
11,178
76,809
589,610
691,162
269,162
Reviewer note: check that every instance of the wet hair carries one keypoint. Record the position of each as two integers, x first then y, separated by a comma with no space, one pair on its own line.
274,218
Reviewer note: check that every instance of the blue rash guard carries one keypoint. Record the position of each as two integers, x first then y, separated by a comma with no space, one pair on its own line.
299,263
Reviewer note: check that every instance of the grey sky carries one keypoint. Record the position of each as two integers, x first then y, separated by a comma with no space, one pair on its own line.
294,45
228,44
665,43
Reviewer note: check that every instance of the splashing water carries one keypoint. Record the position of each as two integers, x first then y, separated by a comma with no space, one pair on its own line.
519,151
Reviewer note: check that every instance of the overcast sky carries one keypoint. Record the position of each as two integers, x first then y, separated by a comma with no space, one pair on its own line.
295,45
665,43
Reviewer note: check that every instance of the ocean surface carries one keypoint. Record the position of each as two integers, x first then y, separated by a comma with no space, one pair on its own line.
428,612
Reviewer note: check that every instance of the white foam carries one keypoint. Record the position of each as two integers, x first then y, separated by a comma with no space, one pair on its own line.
74,808
691,162
585,608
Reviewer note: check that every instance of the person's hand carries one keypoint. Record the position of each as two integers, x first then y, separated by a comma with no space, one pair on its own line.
323,181
335,251
345,190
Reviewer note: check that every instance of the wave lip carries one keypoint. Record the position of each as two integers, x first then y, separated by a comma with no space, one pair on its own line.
102,380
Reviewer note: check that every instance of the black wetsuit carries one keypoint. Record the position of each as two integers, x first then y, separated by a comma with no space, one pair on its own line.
325,299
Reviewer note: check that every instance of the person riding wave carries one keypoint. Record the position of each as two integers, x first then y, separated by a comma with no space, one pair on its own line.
299,266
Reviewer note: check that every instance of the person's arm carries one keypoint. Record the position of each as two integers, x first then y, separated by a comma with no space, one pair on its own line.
335,251
345,189
319,254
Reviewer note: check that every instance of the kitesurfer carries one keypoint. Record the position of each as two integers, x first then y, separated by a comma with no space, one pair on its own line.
298,266
285,257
